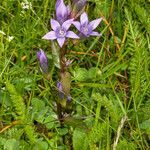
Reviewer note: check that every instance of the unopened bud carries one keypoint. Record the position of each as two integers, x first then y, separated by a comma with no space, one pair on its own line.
60,90
69,98
68,62
43,61
78,6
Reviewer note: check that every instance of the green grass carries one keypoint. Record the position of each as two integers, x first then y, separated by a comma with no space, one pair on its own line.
110,76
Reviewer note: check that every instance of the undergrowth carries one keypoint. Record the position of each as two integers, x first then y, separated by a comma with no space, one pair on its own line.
110,86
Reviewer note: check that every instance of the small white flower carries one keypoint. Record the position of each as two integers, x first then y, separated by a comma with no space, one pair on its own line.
26,5
10,38
54,116
3,88
1,32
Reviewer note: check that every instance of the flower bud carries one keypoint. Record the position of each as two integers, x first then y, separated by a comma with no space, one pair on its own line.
68,62
78,6
68,98
60,90
43,61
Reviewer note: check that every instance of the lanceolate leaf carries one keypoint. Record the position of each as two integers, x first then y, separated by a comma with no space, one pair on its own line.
55,53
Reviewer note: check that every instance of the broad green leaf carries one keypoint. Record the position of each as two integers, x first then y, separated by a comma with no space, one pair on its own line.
63,131
80,74
75,122
93,72
37,104
145,125
80,141
55,54
41,145
50,121
39,109
11,144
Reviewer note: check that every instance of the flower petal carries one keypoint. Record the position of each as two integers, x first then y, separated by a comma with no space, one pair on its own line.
54,24
61,11
61,41
67,24
95,23
41,54
68,9
57,3
72,35
50,36
77,24
84,19
95,34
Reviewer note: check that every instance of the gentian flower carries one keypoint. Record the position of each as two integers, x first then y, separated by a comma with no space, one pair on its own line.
85,27
77,9
60,32
62,11
60,90
43,61
79,4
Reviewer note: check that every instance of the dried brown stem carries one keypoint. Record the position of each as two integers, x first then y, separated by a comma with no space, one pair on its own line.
111,31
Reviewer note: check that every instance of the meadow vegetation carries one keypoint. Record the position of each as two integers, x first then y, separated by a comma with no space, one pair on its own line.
110,79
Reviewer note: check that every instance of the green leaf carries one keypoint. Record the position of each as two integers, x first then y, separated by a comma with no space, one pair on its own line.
80,140
17,100
50,121
80,74
40,145
39,109
24,83
125,145
11,144
93,72
37,104
2,142
63,131
55,54
145,125
75,122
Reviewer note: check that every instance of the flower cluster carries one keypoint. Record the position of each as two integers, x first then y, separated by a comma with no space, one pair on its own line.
60,25
65,17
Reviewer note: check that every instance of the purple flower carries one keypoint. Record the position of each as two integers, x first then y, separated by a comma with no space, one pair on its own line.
43,61
69,98
60,32
60,90
62,11
78,6
85,27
